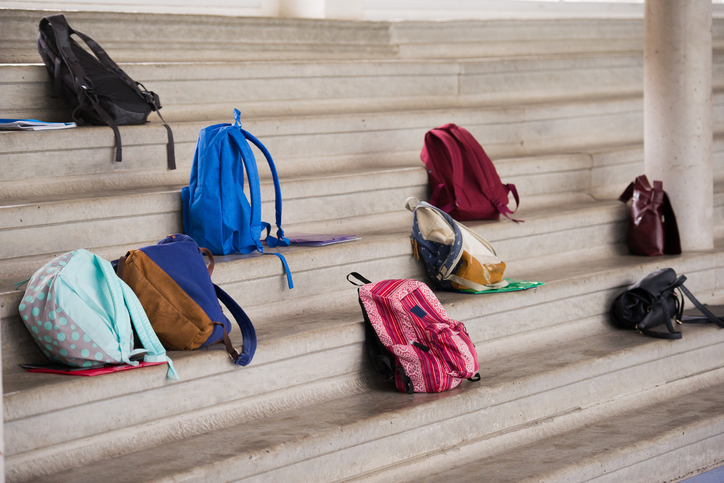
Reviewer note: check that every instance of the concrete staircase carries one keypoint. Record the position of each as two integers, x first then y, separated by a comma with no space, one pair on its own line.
343,108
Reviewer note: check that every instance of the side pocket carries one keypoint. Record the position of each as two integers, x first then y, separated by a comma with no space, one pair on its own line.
455,348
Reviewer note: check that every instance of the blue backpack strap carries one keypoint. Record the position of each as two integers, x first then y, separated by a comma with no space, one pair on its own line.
247,157
247,329
279,240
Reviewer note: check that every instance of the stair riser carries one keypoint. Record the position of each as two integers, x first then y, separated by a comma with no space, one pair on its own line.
386,442
699,450
180,38
508,31
152,38
582,283
139,437
195,38
93,223
399,262
92,419
71,236
67,233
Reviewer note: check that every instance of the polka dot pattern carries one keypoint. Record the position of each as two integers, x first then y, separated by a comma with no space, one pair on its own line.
59,337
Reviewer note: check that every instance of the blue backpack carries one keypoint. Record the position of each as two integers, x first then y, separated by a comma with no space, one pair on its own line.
216,212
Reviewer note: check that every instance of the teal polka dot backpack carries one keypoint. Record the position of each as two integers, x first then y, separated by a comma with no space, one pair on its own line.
80,313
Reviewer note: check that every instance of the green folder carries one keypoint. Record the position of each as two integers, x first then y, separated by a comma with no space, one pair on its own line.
513,286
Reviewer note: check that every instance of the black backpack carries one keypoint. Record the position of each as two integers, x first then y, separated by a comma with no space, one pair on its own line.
98,91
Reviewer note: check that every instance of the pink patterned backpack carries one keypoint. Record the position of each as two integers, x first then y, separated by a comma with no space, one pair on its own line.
410,338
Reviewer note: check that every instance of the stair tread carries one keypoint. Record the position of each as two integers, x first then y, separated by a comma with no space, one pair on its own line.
637,435
311,431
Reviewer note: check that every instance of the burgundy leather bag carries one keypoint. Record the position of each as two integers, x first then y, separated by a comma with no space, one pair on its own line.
652,228
464,181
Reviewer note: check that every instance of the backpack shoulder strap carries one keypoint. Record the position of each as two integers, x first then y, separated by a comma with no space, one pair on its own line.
279,240
150,97
248,333
702,308
252,175
146,334
62,31
471,145
451,150
125,299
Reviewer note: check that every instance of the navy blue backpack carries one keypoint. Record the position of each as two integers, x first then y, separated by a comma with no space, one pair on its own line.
216,212
173,284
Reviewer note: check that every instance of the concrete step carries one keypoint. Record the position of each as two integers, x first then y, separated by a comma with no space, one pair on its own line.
573,224
205,90
137,37
573,303
133,216
375,427
667,433
82,159
162,38
322,202
97,220
466,38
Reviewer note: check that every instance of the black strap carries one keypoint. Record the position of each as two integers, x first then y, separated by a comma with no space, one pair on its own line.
702,308
475,378
358,277
150,97
108,120
406,381
107,62
661,335
62,32
170,154
655,312
658,312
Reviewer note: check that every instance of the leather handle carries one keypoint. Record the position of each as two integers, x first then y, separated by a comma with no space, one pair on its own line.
120,268
206,252
233,353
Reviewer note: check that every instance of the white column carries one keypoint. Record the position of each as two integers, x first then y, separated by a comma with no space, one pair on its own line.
678,112
338,9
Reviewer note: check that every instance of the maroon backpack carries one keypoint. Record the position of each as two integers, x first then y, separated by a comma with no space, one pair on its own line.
464,181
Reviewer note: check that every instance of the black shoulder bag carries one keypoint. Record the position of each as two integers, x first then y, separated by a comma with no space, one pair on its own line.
653,302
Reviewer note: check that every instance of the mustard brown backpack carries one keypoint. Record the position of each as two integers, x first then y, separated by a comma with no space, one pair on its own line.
174,286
